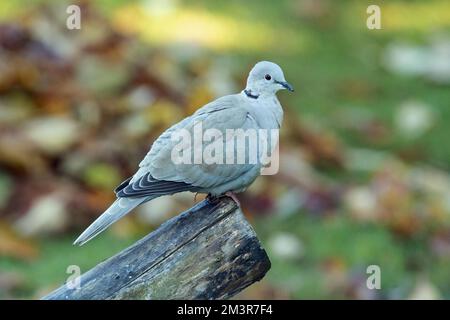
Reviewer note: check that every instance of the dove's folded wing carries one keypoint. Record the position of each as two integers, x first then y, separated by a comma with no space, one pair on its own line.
159,174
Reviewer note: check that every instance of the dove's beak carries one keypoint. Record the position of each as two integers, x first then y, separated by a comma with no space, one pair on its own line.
285,85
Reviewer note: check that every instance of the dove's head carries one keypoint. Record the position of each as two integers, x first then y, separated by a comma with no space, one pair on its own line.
266,78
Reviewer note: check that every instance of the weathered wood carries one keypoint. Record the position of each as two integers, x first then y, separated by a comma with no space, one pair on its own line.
207,252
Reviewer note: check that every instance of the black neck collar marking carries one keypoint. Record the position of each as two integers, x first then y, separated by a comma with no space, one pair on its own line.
249,94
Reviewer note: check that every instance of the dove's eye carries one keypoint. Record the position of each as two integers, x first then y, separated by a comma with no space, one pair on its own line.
267,77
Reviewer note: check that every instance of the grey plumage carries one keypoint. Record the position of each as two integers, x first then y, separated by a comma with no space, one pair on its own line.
257,107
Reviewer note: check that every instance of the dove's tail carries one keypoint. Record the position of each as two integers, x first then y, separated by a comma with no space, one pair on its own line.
117,210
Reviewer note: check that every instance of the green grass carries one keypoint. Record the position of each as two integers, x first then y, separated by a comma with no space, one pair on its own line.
49,270
354,246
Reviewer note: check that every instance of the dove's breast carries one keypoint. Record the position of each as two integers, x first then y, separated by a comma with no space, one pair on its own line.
263,115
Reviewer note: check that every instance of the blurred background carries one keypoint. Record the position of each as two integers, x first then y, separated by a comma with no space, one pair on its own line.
365,153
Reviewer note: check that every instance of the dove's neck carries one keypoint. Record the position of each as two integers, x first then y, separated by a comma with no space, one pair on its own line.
250,94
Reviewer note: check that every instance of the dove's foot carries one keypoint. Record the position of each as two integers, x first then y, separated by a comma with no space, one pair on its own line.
233,196
211,198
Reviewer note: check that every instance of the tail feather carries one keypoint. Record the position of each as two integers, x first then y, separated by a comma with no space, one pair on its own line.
117,210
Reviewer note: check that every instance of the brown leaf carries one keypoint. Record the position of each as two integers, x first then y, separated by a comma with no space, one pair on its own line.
12,245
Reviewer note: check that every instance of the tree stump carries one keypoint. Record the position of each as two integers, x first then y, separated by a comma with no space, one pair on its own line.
208,252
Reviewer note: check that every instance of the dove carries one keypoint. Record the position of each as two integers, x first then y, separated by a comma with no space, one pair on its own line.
255,108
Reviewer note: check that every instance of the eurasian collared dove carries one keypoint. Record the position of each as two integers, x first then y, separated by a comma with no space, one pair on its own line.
256,107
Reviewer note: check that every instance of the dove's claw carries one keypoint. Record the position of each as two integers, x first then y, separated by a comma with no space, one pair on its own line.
211,198
233,196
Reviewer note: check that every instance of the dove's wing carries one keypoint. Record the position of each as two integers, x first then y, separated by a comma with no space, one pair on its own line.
159,174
